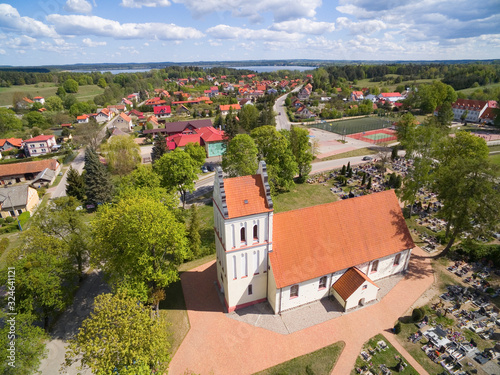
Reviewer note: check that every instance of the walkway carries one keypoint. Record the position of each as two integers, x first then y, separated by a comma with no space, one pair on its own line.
219,345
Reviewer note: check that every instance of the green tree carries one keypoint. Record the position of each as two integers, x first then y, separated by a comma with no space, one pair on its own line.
301,150
445,114
465,184
29,345
249,117
122,154
69,100
193,233
102,83
61,92
98,186
231,126
63,220
240,158
177,171
9,121
75,184
196,152
121,337
70,86
89,134
54,103
159,148
36,119
139,243
274,148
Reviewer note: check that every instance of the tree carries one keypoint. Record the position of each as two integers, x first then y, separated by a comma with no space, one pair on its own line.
122,154
9,121
159,148
240,158
445,114
29,345
299,142
70,86
54,103
36,119
121,337
196,152
231,126
98,186
465,184
18,100
61,92
249,117
102,83
139,243
177,171
88,134
193,233
64,221
75,184
274,148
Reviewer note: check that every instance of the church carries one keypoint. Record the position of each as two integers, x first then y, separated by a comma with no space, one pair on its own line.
293,258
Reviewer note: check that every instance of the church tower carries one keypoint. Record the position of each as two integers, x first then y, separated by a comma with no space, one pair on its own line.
243,224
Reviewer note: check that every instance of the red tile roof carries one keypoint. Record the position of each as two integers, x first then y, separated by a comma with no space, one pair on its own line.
125,117
210,134
390,94
33,167
227,107
182,140
40,138
315,241
350,281
17,142
249,189
82,117
162,109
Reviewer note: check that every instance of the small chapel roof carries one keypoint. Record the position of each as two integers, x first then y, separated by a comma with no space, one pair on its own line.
350,281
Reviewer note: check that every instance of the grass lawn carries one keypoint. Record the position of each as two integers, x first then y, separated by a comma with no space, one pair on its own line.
472,89
303,195
368,83
386,357
46,89
495,158
320,362
349,154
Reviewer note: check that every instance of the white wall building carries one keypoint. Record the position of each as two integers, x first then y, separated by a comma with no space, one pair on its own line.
300,256
39,145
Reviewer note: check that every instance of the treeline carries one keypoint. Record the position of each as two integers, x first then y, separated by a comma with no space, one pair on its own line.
463,77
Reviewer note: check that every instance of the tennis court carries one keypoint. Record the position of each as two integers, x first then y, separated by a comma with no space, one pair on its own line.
358,125
376,136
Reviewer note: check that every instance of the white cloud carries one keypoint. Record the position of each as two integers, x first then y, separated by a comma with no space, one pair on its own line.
303,25
90,43
93,25
10,20
282,10
2,52
230,32
362,27
145,3
78,6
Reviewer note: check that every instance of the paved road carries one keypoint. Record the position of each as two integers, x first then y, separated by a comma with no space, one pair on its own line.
279,107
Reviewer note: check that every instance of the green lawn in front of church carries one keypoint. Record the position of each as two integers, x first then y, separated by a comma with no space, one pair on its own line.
303,195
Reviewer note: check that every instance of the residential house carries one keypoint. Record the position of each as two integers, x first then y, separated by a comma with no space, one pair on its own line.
213,140
293,258
39,99
127,102
153,121
40,145
473,109
225,108
305,92
303,112
186,127
390,96
11,143
44,178
82,119
488,116
104,115
117,108
14,200
123,122
163,111
182,110
357,96
26,171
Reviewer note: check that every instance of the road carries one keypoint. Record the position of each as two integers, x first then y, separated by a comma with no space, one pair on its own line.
78,164
279,107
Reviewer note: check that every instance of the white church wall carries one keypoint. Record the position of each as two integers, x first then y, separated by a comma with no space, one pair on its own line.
309,291
366,291
386,266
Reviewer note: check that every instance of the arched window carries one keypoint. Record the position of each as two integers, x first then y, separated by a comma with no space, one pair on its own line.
322,282
294,291
256,233
375,266
243,235
397,260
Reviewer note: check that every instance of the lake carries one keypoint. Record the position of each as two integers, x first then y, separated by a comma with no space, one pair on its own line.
274,68
113,71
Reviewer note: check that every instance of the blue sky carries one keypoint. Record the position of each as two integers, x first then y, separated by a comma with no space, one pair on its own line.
42,32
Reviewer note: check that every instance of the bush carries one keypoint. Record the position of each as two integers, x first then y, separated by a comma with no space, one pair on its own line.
417,315
8,228
4,244
397,328
9,219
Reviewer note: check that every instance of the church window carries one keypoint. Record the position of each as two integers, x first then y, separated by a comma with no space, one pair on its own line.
256,233
244,265
322,283
397,259
256,255
250,290
235,274
294,291
242,234
375,266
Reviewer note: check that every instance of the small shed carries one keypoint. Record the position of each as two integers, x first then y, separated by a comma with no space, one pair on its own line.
354,289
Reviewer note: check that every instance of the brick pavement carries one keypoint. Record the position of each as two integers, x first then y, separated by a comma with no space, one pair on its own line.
217,344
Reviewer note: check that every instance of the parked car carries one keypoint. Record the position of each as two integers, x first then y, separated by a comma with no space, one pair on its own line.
204,169
367,158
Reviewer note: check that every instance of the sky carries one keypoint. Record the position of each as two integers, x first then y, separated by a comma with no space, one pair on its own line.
54,32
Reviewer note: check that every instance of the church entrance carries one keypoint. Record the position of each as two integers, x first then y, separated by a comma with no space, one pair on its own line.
361,302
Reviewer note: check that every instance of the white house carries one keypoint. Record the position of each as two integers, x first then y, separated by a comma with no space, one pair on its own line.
123,122
391,96
39,99
293,258
104,115
472,110
39,145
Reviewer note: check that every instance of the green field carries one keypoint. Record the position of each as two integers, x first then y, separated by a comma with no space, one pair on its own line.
472,89
367,83
46,89
358,125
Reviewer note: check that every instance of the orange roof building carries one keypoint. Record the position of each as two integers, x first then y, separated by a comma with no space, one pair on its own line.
293,258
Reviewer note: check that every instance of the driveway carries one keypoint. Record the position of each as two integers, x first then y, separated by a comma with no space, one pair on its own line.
217,344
